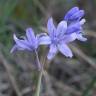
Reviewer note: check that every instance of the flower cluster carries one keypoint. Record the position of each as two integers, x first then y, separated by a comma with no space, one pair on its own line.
68,30
75,22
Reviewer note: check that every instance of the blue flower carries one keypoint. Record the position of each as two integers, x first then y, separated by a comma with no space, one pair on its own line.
74,14
77,28
75,22
59,39
30,42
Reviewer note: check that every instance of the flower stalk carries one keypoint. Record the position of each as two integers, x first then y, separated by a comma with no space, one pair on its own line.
39,84
40,67
38,61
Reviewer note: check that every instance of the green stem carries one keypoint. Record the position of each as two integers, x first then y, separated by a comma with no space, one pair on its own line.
39,83
40,67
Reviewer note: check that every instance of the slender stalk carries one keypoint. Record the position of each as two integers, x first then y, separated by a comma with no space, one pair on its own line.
38,61
39,83
40,74
40,67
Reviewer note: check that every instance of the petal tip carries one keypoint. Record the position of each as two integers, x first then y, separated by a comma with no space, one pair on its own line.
82,21
13,49
70,56
29,31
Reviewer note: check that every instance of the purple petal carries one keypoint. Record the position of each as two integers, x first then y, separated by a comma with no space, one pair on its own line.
71,12
15,48
81,38
74,14
64,49
75,27
21,43
44,40
77,16
41,34
52,51
82,21
31,38
61,28
30,35
50,26
70,38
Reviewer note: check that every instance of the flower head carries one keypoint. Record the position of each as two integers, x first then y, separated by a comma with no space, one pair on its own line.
59,39
75,22
74,14
77,29
30,42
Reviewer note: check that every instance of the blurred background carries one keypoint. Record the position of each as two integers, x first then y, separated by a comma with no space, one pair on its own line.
63,76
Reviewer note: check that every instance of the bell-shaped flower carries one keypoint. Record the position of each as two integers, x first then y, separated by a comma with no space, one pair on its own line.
78,29
74,14
30,42
75,22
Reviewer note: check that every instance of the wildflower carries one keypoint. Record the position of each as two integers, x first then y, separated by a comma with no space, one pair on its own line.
75,22
30,42
59,39
74,15
77,29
